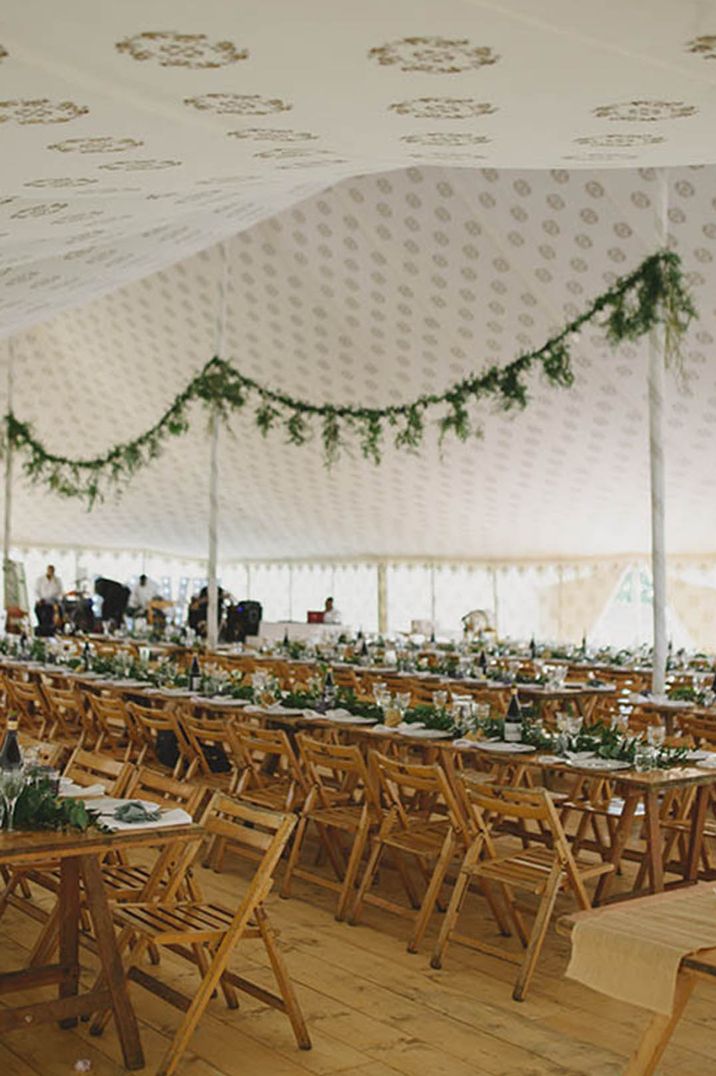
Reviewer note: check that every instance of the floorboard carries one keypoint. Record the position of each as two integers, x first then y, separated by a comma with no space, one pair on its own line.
372,1008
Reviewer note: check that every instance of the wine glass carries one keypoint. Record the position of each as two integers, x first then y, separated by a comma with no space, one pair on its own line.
12,783
440,699
655,735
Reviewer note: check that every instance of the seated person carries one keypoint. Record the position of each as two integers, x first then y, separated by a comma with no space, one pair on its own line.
114,600
48,591
331,615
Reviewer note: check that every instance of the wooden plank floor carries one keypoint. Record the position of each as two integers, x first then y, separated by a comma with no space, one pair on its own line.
372,1009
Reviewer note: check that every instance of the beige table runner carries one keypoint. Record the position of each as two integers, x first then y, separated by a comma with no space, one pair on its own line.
632,951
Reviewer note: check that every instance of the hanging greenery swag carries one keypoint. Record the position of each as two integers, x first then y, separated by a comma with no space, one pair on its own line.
653,294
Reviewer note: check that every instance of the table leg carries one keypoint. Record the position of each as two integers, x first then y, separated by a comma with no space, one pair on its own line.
654,841
659,1030
111,963
696,833
68,929
621,836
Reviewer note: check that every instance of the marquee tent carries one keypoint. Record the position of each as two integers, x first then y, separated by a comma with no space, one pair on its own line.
405,193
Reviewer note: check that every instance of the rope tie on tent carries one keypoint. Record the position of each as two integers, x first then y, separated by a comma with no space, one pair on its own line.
653,295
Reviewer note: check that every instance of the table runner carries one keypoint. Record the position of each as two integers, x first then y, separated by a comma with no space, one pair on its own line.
632,952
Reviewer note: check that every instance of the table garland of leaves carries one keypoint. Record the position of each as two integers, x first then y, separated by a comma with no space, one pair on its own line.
38,807
652,295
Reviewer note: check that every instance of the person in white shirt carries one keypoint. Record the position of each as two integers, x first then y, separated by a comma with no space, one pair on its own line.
141,595
331,615
49,592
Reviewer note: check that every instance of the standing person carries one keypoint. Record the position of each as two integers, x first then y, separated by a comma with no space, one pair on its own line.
141,595
114,601
49,592
331,615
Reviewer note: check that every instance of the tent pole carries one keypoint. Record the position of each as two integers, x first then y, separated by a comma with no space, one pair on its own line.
7,521
212,611
212,629
656,461
382,600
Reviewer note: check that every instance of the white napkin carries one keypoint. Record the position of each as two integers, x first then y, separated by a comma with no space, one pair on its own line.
69,788
175,817
708,763
338,713
404,726
465,743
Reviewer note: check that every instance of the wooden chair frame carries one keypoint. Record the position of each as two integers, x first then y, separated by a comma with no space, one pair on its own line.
423,823
341,800
539,868
206,934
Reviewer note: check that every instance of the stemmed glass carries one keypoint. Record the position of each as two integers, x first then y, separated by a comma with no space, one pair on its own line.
655,735
12,783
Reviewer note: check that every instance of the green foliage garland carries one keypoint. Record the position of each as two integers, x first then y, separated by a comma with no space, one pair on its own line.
653,294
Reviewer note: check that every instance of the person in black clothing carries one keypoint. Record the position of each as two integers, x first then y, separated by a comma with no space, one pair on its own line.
199,609
114,597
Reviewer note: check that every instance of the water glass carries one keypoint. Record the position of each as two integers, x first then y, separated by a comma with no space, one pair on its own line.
12,783
645,758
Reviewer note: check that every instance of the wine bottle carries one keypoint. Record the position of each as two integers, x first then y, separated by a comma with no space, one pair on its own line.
533,648
10,754
364,649
513,720
432,636
483,663
194,675
86,656
329,686
584,644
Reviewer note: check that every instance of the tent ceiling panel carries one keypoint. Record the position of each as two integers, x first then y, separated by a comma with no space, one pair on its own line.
134,134
373,291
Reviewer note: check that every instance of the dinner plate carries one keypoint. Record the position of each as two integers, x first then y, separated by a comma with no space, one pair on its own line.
708,763
352,719
424,734
551,760
604,765
501,747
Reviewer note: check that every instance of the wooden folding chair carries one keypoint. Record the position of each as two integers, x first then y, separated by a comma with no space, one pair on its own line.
27,699
341,801
270,771
540,869
206,933
150,724
65,711
422,824
108,721
212,740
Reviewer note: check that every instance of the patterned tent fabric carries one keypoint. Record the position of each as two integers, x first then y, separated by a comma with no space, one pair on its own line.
406,193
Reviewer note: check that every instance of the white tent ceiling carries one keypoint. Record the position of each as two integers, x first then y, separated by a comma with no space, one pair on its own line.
415,190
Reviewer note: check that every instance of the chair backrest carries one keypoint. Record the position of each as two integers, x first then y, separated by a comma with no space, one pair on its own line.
494,805
252,829
65,708
88,768
110,714
27,698
147,784
417,790
267,754
207,736
337,771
